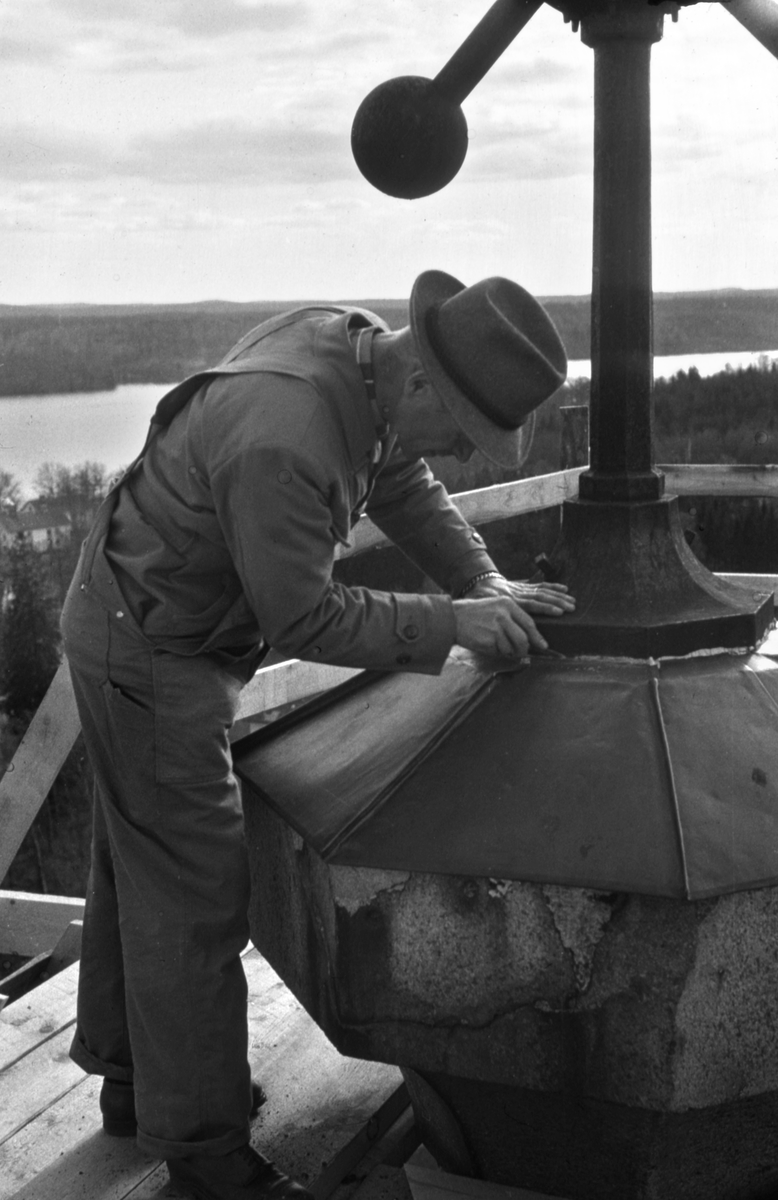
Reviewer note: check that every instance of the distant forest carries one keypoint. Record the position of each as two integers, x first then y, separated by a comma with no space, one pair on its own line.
730,417
79,348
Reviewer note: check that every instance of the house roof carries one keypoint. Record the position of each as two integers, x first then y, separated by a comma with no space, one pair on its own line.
32,517
42,515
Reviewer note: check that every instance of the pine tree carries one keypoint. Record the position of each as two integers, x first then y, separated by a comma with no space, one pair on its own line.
29,641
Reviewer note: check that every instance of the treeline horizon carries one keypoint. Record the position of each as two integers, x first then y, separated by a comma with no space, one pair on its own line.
47,349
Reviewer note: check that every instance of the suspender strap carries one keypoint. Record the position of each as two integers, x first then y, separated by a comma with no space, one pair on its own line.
365,361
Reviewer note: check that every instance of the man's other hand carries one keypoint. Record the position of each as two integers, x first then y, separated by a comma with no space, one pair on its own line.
496,626
546,599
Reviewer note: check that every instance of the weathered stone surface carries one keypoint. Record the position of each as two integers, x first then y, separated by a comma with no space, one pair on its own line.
634,1000
600,1046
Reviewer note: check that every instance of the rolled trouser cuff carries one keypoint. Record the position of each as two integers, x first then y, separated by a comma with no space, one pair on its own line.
223,1144
96,1066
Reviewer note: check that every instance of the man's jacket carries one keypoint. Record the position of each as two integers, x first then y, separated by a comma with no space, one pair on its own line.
226,531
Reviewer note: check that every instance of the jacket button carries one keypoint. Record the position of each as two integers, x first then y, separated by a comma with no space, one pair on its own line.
411,632
284,476
120,613
403,659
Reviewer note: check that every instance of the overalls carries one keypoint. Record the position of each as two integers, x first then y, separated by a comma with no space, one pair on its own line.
162,993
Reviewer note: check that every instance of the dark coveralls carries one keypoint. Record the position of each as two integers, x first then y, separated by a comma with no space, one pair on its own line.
220,542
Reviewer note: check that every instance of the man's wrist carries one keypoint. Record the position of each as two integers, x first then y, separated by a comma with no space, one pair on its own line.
474,582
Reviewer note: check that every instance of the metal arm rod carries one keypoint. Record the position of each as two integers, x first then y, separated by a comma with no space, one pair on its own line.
481,49
759,17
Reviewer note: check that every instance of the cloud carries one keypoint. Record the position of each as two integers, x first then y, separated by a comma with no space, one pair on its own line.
305,144
277,108
308,145
103,208
31,154
193,18
528,135
224,152
228,151
203,18
539,72
508,155
29,49
162,35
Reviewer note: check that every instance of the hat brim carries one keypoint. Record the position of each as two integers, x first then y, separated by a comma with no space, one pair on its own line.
505,447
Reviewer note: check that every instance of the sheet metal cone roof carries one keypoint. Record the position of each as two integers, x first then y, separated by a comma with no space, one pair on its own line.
615,775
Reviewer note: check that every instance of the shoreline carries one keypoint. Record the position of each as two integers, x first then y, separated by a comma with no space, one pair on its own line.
665,367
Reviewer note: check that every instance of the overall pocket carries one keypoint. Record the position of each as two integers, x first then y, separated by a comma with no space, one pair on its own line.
195,701
131,728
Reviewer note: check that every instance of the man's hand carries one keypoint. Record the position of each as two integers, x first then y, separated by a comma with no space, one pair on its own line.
546,599
496,626
494,619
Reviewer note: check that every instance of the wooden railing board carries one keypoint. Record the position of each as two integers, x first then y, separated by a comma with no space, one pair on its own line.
24,978
496,503
505,500
39,756
31,923
288,681
720,479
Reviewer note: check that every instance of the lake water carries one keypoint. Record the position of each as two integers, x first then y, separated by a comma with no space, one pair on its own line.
110,427
104,427
668,365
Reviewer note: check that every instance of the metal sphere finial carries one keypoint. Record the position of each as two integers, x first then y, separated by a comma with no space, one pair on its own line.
409,136
408,139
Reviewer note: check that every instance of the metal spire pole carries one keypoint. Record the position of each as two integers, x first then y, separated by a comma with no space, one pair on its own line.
622,350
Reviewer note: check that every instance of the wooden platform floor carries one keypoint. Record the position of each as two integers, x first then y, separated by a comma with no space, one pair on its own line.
316,1123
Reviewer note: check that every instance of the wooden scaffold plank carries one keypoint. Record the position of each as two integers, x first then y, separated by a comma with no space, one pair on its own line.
37,1016
318,1103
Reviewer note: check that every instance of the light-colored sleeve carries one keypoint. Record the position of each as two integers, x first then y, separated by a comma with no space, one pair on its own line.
413,509
275,506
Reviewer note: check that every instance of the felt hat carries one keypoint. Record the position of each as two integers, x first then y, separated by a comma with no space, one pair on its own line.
492,354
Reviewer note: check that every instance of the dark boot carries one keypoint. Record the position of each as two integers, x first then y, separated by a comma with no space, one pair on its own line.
117,1104
243,1174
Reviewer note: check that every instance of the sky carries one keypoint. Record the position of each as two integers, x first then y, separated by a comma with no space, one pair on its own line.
184,150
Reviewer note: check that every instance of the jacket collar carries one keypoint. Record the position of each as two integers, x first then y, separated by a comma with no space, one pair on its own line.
358,415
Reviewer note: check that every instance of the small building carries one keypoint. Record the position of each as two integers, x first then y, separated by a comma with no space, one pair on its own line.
43,523
8,528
